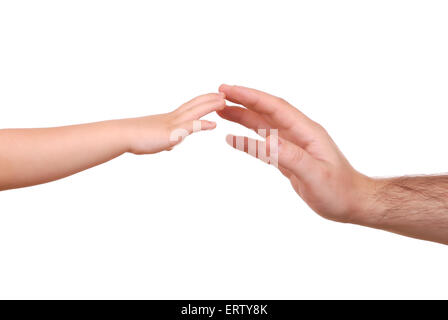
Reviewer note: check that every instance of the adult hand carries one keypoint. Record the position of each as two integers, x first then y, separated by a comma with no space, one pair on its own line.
307,155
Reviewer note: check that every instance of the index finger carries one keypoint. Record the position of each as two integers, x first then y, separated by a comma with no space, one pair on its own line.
250,98
275,108
278,113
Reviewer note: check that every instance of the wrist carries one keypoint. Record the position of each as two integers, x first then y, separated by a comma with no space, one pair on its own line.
122,131
368,208
144,135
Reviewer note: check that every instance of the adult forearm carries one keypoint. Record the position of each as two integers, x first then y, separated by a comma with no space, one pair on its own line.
321,175
33,156
411,206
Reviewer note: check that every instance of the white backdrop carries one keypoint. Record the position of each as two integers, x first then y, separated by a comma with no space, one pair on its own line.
206,221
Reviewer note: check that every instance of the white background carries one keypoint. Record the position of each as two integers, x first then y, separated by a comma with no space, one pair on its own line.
206,221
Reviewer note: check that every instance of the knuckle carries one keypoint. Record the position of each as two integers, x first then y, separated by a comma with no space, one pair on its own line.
221,104
173,116
326,174
320,128
281,100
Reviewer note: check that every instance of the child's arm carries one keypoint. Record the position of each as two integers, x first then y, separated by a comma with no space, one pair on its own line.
34,156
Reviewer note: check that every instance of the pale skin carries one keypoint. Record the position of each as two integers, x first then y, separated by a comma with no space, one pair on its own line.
321,175
307,156
34,156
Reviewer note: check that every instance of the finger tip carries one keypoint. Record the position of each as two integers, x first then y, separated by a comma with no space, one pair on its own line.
229,139
223,87
221,114
221,111
222,105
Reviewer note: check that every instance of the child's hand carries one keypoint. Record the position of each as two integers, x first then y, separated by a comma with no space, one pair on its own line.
161,132
34,156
